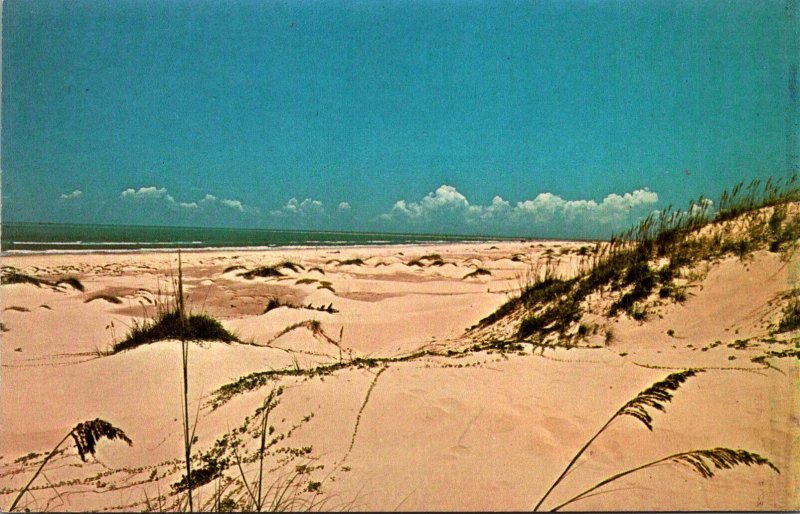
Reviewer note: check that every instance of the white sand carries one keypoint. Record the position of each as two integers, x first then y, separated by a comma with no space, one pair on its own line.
482,432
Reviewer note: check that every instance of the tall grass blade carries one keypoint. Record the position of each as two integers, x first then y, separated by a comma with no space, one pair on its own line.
698,460
654,396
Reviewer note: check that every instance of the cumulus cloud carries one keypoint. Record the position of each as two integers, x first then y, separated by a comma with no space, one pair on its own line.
613,208
295,208
147,193
160,195
233,204
447,207
72,196
445,200
344,206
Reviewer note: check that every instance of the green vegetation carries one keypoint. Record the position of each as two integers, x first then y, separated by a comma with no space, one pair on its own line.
246,491
168,325
13,276
352,262
171,321
477,273
650,257
106,297
791,315
275,303
73,282
262,271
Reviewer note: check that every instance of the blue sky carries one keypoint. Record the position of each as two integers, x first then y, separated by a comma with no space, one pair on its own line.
539,118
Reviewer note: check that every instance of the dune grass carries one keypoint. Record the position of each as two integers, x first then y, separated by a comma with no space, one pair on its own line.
647,259
352,262
275,303
790,319
107,297
704,462
477,273
17,308
168,325
13,276
85,435
172,321
262,271
72,282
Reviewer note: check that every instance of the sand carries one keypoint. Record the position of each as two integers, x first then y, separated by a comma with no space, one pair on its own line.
480,431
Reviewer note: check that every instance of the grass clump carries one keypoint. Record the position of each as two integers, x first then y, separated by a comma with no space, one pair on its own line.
72,282
791,316
352,262
11,275
107,297
262,271
172,321
477,273
168,325
275,303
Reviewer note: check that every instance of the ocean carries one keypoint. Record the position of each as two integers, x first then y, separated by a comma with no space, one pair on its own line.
18,238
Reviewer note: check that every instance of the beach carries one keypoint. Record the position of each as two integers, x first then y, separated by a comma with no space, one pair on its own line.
394,397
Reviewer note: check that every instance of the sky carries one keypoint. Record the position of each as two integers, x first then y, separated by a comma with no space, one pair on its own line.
549,118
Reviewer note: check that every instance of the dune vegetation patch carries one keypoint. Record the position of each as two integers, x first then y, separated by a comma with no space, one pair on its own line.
653,260
11,275
263,272
17,308
352,262
169,325
790,315
172,321
275,303
477,273
107,297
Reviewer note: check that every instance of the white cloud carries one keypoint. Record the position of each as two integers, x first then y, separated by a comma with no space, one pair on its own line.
448,207
148,193
73,195
233,204
344,206
295,208
160,195
445,201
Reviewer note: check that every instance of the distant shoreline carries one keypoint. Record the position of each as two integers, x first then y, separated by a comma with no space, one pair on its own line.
26,238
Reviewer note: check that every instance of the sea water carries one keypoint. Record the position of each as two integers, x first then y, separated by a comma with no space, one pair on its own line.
67,238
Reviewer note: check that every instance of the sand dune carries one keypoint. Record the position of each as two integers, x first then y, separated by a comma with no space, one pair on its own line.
482,429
